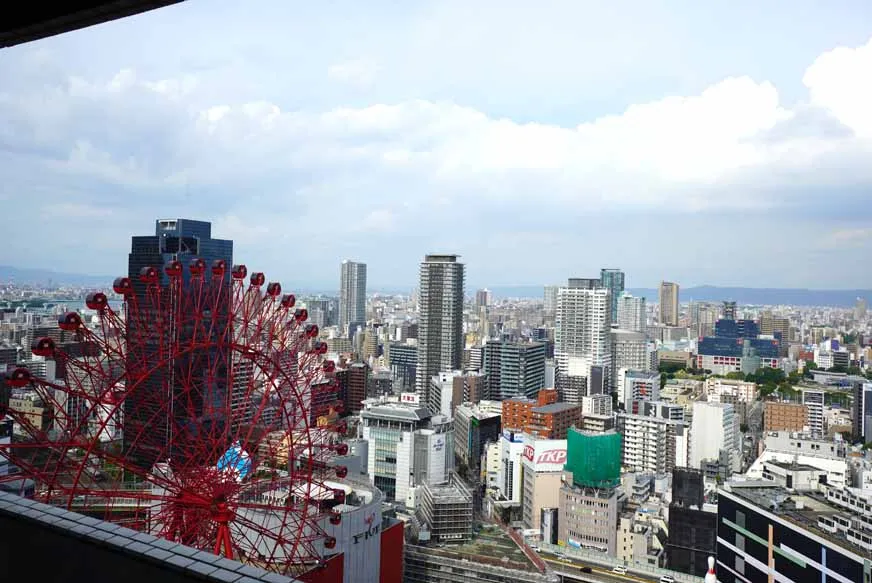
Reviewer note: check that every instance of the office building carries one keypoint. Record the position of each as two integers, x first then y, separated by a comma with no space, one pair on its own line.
403,362
814,403
783,416
541,474
702,319
779,328
613,280
147,426
352,296
723,355
441,394
474,428
732,328
729,310
860,308
715,437
440,322
483,298
632,313
629,351
589,499
769,533
543,417
596,405
514,369
389,428
861,412
693,525
668,299
637,385
446,509
653,442
550,300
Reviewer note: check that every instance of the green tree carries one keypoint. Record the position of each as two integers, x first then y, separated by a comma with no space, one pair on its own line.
670,367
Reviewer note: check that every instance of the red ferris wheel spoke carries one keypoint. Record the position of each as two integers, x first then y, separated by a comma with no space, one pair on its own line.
201,412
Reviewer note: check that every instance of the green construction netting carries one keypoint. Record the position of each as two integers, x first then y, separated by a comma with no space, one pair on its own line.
594,458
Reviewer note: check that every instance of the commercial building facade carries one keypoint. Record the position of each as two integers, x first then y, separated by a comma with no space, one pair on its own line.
763,537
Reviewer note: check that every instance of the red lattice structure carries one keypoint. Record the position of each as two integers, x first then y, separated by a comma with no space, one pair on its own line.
202,411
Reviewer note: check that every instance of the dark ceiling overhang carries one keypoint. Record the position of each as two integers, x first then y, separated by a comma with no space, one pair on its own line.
30,21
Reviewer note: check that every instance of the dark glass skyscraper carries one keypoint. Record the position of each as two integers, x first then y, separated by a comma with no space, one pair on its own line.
152,414
613,280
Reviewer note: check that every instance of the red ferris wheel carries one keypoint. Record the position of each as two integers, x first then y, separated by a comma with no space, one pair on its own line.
202,411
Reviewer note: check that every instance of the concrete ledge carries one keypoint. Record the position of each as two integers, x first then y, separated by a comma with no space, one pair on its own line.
49,544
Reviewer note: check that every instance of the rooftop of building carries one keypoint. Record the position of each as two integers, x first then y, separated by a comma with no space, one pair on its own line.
800,436
440,258
793,466
489,545
555,408
380,409
802,509
479,411
628,334
448,494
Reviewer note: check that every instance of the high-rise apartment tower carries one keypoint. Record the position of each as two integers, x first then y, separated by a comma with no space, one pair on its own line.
440,322
352,296
668,303
582,338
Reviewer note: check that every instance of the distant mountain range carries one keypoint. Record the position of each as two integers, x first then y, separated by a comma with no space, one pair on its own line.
705,293
43,276
709,293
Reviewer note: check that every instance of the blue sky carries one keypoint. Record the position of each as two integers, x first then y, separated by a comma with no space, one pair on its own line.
725,145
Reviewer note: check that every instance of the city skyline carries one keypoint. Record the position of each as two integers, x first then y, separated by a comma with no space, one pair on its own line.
708,134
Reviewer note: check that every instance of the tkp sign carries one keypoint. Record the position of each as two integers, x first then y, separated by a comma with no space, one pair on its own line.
550,456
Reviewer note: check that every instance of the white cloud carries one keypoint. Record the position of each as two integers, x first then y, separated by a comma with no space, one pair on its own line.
841,82
848,238
261,167
359,72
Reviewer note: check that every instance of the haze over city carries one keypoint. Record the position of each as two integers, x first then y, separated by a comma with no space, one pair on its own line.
725,145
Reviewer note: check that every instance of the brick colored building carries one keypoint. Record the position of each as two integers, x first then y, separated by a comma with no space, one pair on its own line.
778,416
543,417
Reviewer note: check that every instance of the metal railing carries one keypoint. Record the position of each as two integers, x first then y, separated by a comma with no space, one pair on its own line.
603,560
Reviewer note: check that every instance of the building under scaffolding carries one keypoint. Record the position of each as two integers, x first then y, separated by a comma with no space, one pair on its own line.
447,511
